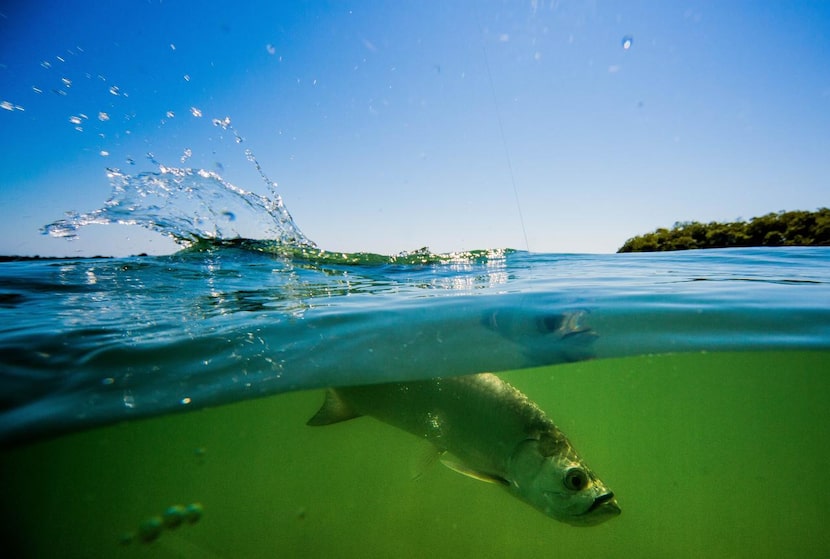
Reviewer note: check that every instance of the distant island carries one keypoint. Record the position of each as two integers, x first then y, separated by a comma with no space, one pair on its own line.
795,228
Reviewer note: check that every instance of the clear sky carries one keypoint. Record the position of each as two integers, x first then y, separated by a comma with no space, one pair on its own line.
392,125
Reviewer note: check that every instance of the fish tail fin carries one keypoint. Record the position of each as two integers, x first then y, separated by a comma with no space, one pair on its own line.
333,410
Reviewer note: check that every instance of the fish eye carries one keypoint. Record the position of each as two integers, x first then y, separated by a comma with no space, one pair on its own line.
575,479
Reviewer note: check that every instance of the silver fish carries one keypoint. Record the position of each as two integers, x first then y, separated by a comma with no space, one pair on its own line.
493,432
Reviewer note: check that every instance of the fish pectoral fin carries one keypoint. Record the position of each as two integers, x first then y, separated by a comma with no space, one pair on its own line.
424,461
456,466
333,410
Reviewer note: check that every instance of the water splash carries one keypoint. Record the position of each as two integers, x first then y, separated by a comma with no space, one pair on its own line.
190,206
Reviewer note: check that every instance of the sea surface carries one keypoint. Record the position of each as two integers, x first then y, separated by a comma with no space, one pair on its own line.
694,383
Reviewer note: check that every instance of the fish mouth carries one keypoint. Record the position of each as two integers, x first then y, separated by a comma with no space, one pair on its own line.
606,502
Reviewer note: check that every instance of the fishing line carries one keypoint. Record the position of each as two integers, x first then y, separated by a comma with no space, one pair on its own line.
504,144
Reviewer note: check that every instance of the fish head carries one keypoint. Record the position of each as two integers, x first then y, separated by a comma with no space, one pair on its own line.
549,475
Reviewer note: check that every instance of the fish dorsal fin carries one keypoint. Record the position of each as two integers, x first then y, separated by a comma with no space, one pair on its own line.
455,465
333,410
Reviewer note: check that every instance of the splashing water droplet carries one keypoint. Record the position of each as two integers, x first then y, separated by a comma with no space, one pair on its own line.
188,153
115,90
271,49
104,153
224,123
627,41
188,205
46,64
170,114
196,112
187,77
103,117
67,82
75,119
6,105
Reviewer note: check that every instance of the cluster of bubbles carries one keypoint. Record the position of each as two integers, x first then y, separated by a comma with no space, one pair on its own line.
175,515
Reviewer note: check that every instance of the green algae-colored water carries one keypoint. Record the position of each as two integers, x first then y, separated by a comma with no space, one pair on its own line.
710,455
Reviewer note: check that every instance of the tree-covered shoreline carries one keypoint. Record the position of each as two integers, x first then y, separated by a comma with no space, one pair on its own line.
793,228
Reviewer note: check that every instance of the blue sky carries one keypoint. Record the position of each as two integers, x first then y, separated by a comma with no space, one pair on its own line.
395,125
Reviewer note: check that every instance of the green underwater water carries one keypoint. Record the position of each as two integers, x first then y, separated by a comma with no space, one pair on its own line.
709,454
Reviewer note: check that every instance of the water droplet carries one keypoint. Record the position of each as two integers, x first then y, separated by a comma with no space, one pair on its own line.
271,49
172,46
75,119
187,155
627,41
6,105
224,123
170,114
37,89
115,90
196,112
187,77
104,153
46,64
103,117
67,82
